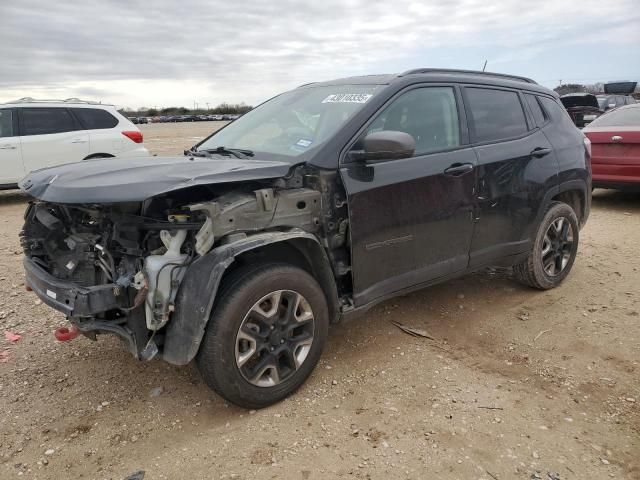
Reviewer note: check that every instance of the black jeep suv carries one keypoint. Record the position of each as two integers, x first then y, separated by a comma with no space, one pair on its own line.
307,210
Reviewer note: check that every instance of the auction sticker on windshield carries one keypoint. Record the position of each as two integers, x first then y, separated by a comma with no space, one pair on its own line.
348,98
304,143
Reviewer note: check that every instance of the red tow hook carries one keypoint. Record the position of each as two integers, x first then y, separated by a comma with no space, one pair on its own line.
64,334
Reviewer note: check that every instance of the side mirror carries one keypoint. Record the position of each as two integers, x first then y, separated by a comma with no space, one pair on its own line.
386,145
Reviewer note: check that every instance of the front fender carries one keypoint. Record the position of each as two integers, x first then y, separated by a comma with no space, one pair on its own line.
198,290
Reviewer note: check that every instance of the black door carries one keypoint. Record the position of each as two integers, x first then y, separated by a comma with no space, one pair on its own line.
411,220
516,166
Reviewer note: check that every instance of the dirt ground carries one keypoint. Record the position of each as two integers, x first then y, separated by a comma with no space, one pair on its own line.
518,384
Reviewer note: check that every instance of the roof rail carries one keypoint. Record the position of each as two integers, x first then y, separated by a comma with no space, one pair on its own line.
51,100
471,72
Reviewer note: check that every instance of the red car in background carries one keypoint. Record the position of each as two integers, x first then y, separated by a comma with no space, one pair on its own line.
615,148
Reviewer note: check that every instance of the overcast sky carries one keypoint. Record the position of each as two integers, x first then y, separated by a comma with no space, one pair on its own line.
164,53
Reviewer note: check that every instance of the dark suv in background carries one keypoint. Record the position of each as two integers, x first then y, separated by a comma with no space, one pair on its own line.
309,209
617,94
583,107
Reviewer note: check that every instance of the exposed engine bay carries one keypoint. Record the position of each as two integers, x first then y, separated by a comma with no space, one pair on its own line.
119,266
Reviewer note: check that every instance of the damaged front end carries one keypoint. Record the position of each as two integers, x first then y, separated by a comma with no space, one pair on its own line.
119,268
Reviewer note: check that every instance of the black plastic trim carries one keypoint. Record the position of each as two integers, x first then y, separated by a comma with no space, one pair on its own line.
68,297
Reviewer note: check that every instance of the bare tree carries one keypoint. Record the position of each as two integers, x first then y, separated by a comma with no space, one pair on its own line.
569,88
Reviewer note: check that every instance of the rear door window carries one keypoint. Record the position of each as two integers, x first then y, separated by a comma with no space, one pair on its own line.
95,118
536,110
43,121
495,114
6,123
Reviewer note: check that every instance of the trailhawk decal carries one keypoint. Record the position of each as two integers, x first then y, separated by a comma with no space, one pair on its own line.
348,98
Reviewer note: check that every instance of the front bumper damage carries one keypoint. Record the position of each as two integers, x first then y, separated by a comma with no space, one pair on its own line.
150,275
81,304
70,298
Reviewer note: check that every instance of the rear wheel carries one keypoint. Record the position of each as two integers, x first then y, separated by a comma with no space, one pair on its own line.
265,336
554,249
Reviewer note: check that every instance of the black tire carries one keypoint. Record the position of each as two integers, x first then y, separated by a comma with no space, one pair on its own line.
238,296
531,271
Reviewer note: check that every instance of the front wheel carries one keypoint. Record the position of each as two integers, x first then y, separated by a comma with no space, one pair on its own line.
554,249
265,336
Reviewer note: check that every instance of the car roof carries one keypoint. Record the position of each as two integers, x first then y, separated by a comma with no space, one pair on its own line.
440,75
56,105
74,102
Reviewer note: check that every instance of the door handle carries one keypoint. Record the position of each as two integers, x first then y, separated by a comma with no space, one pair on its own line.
616,139
540,152
458,169
8,147
78,140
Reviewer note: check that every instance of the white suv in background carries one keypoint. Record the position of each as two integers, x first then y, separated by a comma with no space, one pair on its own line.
36,134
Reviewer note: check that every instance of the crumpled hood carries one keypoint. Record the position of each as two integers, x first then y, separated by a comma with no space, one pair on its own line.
114,180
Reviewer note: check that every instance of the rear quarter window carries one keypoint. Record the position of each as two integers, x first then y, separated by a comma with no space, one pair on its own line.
496,114
536,110
95,118
557,113
43,121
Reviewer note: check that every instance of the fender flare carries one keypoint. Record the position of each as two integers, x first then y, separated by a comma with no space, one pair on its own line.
580,185
198,289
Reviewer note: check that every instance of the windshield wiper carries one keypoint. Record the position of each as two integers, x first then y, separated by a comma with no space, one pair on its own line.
196,153
236,152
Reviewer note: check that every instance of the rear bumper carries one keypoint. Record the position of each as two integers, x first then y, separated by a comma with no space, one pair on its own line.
616,176
615,171
69,298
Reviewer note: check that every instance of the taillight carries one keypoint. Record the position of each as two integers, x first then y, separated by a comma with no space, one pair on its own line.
587,146
133,135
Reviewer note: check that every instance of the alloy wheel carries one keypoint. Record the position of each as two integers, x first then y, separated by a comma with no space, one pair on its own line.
557,246
275,338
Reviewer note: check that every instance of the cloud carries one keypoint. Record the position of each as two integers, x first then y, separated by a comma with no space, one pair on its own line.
167,53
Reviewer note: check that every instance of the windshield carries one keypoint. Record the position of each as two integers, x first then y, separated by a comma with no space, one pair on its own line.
293,123
623,117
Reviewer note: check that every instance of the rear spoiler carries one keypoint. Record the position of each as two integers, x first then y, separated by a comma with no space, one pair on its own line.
620,88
